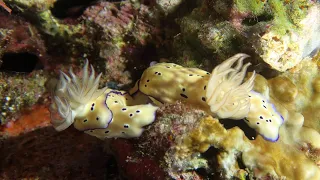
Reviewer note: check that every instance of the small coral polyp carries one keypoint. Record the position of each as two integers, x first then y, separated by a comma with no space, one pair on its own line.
106,113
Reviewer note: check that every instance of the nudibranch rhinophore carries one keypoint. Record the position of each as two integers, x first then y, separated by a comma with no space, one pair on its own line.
222,93
109,113
102,113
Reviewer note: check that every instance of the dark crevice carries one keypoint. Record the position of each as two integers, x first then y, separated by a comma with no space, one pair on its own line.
240,163
148,2
215,171
20,62
249,132
65,8
72,8
250,21
140,58
112,170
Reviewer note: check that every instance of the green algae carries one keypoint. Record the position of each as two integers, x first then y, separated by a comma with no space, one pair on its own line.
286,14
256,7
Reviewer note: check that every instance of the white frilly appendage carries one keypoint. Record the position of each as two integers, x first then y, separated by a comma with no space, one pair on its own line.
71,94
226,95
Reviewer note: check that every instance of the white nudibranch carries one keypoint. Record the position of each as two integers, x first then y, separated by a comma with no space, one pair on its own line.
102,113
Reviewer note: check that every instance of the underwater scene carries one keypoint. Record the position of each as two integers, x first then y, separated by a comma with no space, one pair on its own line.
160,89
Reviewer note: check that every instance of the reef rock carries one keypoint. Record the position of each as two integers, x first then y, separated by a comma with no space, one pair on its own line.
278,33
284,51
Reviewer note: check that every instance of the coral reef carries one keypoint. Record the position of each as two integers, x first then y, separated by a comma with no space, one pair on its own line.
279,33
187,139
22,51
28,122
285,51
232,143
168,7
303,95
47,42
127,27
20,38
294,156
181,137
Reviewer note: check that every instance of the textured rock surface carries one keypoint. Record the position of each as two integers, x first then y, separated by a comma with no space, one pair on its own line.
278,33
19,93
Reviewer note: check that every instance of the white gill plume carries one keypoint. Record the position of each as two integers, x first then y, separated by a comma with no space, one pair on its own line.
71,94
227,95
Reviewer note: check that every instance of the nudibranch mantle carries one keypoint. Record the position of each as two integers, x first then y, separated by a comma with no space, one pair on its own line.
102,113
168,82
263,117
127,121
221,93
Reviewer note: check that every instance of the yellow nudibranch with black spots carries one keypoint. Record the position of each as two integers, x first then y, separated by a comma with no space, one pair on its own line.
221,93
103,113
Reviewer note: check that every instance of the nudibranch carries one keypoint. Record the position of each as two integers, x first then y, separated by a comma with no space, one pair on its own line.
103,113
264,117
221,93
106,113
